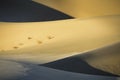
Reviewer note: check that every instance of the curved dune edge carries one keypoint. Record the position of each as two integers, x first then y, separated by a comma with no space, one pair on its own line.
102,61
84,8
34,72
28,11
44,42
95,30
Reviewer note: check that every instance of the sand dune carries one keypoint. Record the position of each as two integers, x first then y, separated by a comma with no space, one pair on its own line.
74,49
100,29
44,42
105,59
25,71
28,11
11,70
85,8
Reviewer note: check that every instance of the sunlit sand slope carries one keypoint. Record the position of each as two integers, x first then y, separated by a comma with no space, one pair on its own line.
84,8
105,59
48,41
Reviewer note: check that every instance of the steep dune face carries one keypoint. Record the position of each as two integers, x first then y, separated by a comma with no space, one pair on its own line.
104,59
85,8
28,11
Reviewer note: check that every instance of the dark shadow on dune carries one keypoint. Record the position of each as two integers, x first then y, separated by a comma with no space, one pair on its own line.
78,64
28,11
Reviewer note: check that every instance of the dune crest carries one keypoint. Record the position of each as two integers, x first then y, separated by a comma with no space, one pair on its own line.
103,61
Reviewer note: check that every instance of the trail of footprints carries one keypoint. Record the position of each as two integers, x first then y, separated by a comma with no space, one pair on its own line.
30,38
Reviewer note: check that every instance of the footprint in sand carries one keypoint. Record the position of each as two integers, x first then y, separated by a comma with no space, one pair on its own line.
51,37
29,38
39,42
15,47
21,44
2,50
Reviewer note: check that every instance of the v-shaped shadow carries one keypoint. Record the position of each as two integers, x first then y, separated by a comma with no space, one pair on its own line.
28,11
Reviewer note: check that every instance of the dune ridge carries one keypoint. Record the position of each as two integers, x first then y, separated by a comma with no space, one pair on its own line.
43,42
85,8
104,59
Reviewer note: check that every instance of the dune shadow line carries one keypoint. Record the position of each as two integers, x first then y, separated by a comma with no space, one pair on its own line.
74,64
28,11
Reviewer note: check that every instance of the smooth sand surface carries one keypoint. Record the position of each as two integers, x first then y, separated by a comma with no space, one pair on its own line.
12,70
44,42
75,49
85,8
104,61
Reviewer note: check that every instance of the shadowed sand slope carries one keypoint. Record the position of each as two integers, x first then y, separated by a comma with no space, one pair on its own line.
106,59
11,70
26,71
28,11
